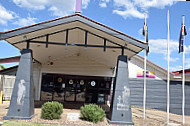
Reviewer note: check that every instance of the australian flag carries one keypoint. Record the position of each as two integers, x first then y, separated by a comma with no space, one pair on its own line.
181,38
145,32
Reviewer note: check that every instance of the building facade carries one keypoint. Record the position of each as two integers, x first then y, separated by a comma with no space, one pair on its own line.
72,59
65,87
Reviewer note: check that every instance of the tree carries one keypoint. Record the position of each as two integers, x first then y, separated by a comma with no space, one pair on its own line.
2,67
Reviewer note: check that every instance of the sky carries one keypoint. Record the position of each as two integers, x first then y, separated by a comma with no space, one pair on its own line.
126,16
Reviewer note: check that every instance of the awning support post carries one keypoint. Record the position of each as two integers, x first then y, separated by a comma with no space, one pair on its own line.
85,41
27,44
120,110
122,51
104,45
66,39
22,99
47,40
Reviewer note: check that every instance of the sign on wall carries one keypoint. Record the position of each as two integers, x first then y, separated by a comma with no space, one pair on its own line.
149,74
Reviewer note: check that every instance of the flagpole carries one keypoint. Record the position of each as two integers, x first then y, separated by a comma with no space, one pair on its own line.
168,79
145,54
183,82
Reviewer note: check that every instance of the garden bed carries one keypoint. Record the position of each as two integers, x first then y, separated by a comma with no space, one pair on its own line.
153,117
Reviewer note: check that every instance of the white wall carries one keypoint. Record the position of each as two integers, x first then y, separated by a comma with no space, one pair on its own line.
36,80
187,78
179,78
136,64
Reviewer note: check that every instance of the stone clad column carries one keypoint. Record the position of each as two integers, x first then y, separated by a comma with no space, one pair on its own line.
120,110
22,99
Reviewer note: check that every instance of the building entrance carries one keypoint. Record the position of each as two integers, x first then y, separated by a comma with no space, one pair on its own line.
75,90
72,88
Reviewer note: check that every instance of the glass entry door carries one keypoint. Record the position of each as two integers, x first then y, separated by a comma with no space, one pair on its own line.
75,90
70,90
58,88
80,91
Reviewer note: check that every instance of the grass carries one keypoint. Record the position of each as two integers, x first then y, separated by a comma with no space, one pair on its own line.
21,123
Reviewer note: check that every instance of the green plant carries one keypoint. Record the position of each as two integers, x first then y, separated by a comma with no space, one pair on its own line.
51,110
2,67
92,113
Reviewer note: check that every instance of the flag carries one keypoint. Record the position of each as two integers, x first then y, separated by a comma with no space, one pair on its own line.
145,30
181,38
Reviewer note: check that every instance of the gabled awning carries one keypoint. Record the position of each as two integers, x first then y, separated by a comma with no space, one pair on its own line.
70,35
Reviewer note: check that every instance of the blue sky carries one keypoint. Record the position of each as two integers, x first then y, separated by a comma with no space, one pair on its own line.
124,15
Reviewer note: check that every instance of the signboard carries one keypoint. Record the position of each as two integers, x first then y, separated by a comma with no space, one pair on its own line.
73,116
149,74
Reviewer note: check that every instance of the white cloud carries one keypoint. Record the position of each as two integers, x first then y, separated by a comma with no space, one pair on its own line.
103,3
136,8
140,31
107,1
6,15
176,68
187,49
58,7
85,3
32,4
25,21
133,12
171,58
153,3
160,46
187,65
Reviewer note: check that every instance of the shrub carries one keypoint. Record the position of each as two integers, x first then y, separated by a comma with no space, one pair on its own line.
92,113
51,110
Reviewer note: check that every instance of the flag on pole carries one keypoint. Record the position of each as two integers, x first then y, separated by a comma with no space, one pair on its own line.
181,49
145,33
181,38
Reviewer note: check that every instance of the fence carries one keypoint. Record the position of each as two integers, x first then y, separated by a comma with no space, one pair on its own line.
7,84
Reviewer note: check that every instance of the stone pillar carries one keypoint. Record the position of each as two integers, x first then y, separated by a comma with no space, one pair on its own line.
120,110
22,99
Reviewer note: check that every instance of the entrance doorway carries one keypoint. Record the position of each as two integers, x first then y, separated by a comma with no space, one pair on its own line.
74,88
